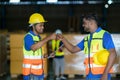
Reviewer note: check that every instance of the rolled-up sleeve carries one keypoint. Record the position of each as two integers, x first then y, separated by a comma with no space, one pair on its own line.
28,42
81,44
107,41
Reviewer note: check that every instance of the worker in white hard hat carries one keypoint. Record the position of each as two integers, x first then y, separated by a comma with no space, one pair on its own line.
97,44
32,48
58,61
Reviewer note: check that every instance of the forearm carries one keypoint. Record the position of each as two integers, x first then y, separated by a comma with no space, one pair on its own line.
111,60
69,46
39,44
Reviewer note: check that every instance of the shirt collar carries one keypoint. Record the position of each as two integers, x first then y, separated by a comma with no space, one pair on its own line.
98,29
34,34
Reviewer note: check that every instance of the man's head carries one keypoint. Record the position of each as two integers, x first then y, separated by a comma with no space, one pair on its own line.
90,22
37,21
58,32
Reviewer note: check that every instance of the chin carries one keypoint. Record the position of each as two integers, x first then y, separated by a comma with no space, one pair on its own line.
86,30
41,32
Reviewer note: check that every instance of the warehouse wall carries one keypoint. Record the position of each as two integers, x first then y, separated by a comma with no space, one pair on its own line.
65,17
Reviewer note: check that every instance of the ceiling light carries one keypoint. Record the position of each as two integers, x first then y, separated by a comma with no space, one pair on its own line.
14,1
106,5
51,1
110,1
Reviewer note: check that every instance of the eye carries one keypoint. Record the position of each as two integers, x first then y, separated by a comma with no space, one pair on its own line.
41,25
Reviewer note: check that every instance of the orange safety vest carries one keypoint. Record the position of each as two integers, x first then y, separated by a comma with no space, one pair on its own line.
33,62
95,46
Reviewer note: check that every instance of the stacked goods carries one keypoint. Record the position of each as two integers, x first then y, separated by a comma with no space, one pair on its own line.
3,54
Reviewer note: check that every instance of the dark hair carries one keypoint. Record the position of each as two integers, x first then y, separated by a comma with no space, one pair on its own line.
91,16
30,27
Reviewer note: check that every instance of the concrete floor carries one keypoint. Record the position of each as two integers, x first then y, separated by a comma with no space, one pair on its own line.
7,77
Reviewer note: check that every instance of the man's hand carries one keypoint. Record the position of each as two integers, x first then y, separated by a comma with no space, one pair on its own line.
104,77
60,50
60,36
45,55
52,55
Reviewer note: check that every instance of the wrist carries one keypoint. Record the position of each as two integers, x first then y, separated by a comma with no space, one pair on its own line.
48,38
62,39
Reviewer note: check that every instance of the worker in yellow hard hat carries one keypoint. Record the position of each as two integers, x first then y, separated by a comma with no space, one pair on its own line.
33,57
98,47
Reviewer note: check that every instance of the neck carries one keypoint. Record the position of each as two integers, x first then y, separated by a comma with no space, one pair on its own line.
35,32
94,29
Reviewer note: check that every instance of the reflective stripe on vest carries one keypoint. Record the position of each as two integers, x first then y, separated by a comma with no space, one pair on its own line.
55,46
96,45
32,62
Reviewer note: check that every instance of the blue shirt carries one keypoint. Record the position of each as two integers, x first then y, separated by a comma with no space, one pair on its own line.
107,44
28,41
107,41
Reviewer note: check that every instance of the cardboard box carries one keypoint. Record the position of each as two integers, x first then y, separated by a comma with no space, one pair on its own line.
45,66
16,54
16,40
16,67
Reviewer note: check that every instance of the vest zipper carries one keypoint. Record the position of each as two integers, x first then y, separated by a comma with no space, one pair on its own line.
89,44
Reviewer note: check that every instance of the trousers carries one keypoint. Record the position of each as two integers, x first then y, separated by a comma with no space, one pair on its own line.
32,77
58,66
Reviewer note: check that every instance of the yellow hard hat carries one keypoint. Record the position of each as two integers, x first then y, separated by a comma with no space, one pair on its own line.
36,18
101,57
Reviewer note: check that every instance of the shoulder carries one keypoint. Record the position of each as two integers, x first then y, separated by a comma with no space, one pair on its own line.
107,34
27,36
107,37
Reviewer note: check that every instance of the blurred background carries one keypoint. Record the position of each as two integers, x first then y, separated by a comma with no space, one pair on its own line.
60,14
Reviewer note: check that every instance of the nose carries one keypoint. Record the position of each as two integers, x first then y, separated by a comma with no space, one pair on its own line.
43,26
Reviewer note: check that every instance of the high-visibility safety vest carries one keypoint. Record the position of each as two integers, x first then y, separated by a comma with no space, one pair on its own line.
55,47
96,45
32,61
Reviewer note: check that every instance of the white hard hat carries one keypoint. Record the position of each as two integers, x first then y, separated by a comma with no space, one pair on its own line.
58,31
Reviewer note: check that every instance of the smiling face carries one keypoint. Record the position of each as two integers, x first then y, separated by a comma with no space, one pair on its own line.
89,25
86,25
90,22
38,28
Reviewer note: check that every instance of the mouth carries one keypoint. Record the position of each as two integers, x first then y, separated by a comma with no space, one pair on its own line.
41,30
86,29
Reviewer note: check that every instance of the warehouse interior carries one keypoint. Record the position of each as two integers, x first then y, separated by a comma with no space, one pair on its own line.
60,14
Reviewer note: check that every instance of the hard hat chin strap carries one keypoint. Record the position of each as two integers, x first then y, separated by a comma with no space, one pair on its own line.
30,25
